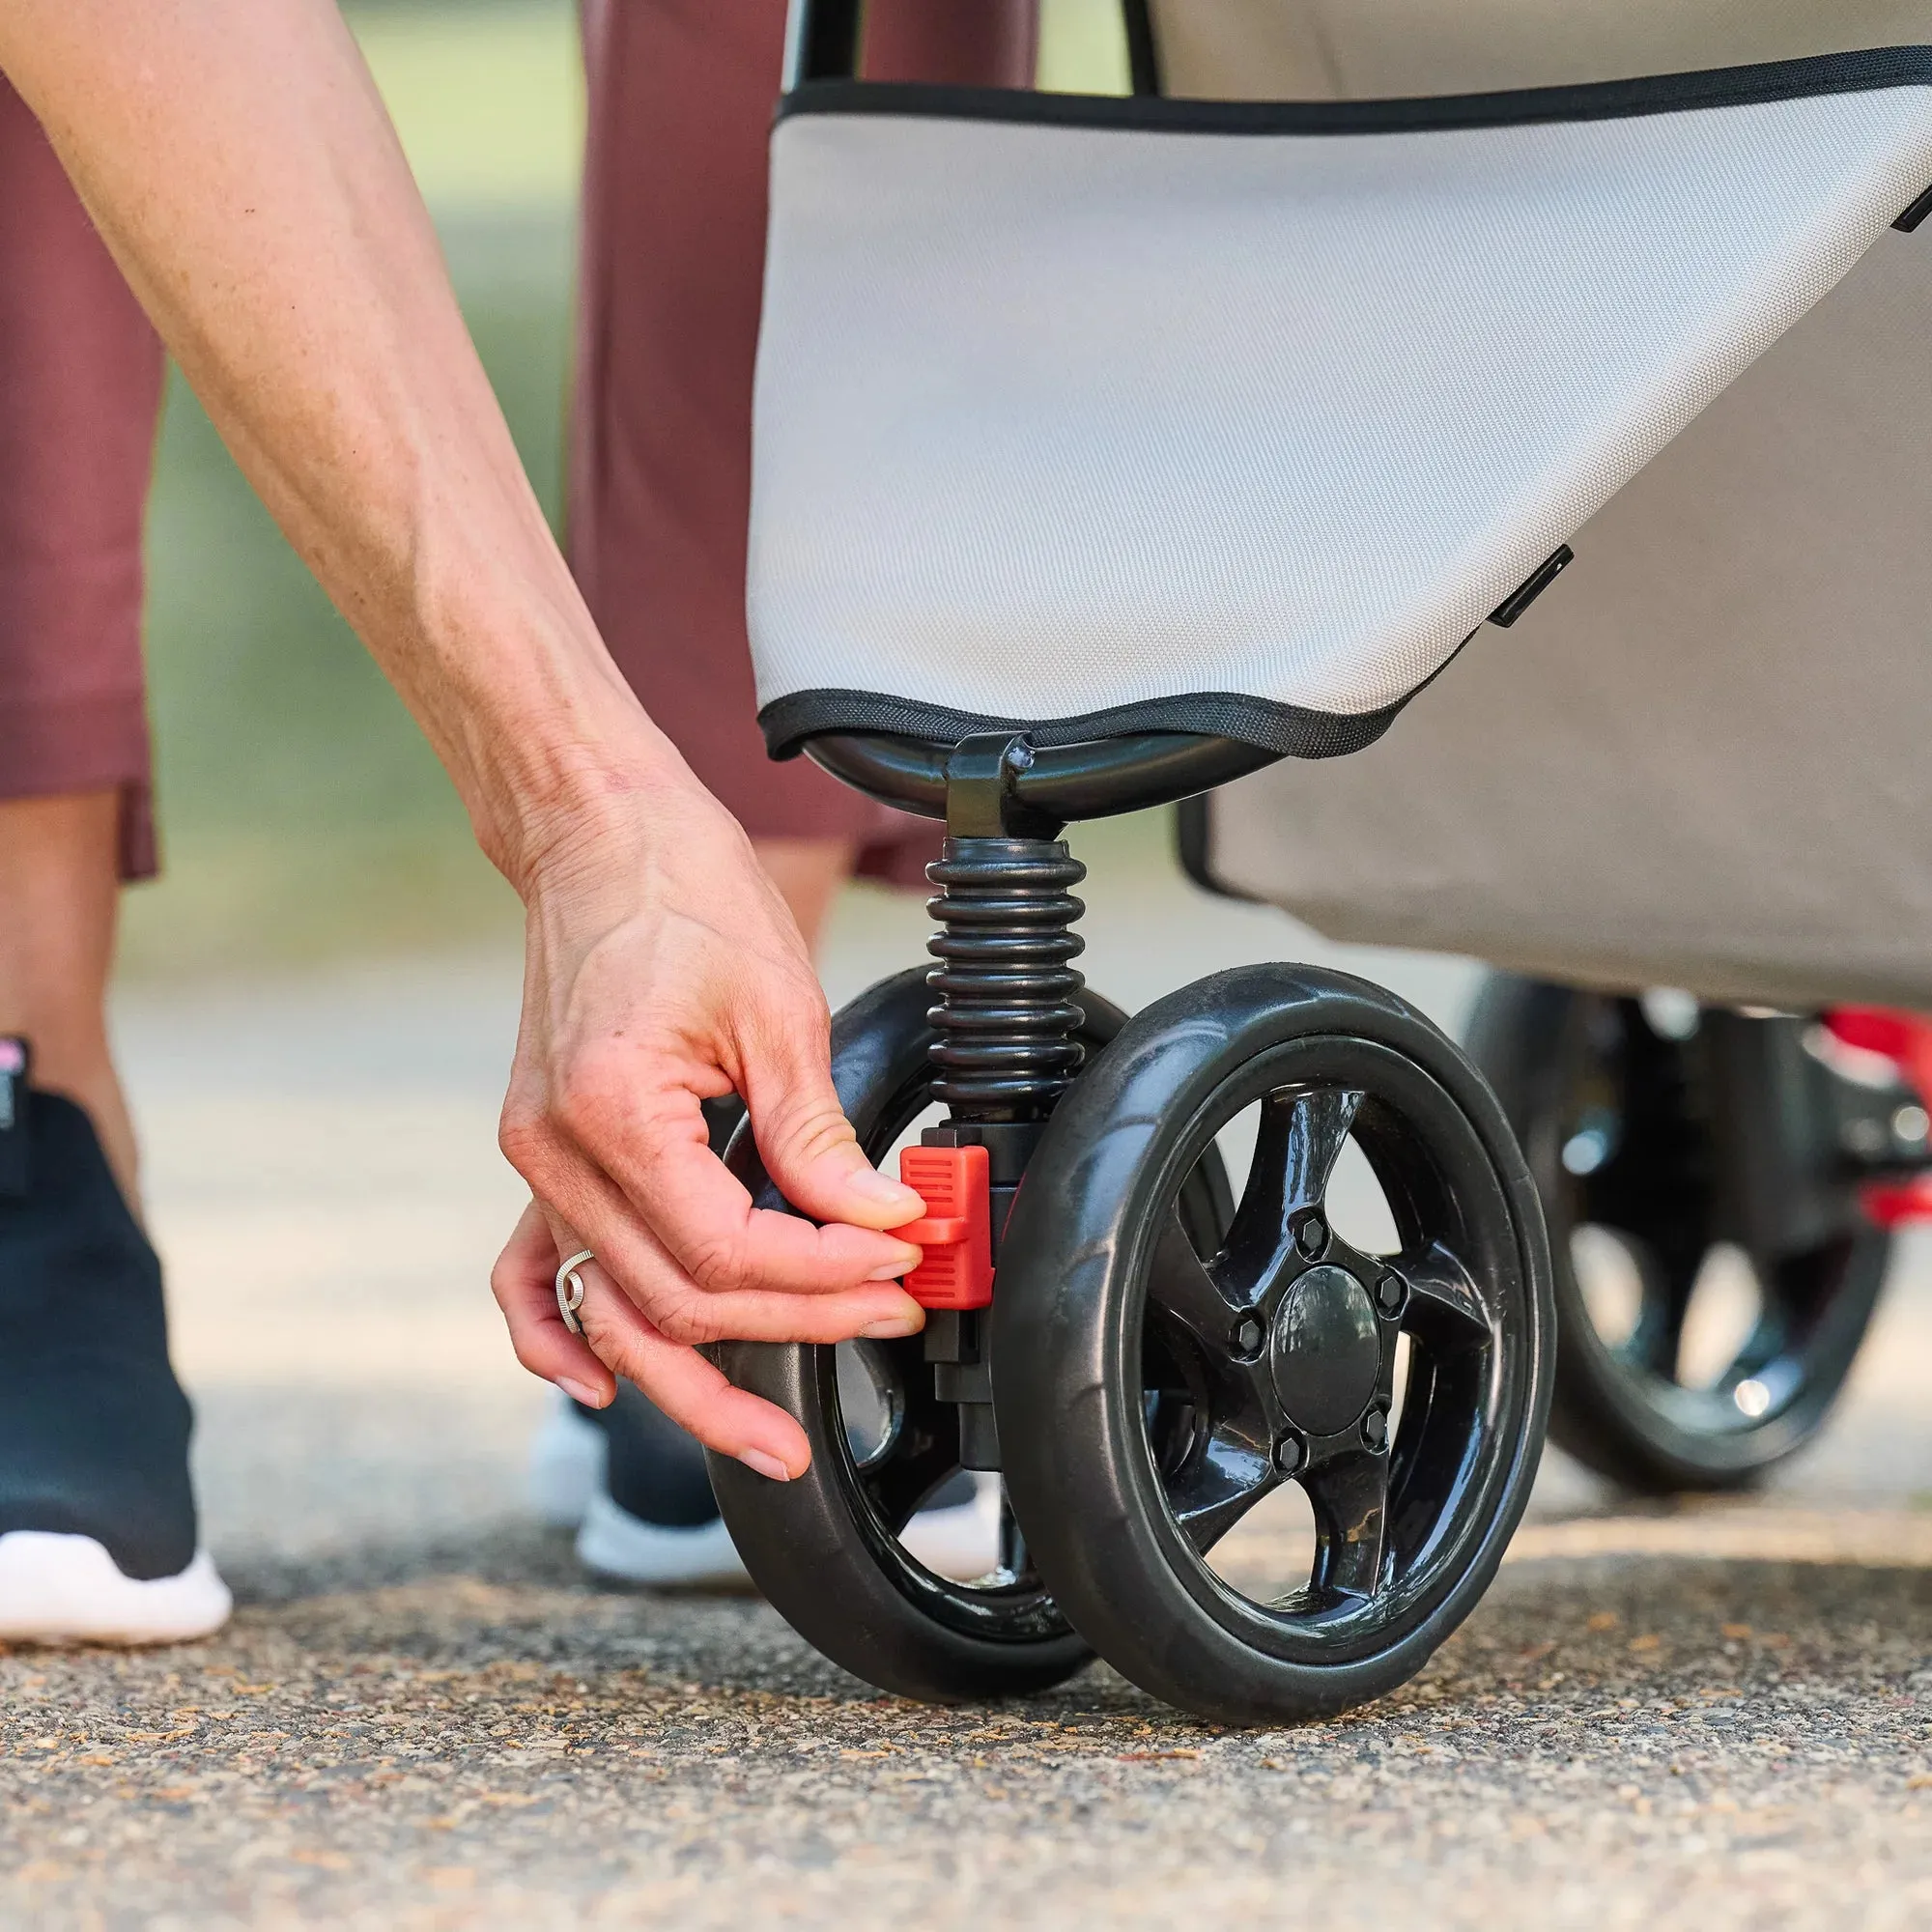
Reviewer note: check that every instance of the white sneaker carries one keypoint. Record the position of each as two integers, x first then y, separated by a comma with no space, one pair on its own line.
567,1465
963,1541
616,1544
569,1489
67,1589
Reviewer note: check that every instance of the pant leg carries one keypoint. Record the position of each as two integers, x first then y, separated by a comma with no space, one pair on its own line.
968,42
81,392
681,100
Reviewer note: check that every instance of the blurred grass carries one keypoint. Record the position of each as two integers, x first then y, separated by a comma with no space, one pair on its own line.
302,814
488,98
1083,48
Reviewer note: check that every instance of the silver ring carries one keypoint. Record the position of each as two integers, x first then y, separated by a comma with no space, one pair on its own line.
569,1299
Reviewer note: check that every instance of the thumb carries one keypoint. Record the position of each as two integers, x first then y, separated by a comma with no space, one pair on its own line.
806,1142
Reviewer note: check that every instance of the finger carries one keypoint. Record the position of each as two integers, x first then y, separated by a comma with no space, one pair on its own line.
807,1144
697,1395
770,1315
524,1282
641,1162
692,1315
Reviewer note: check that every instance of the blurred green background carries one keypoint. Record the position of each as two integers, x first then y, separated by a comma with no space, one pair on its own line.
302,814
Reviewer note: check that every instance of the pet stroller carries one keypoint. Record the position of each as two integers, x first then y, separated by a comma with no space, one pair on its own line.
1113,452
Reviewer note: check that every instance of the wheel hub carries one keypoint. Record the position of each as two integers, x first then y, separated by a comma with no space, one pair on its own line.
1326,1351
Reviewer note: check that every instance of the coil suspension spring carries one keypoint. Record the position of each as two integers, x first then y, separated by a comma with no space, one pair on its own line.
1007,1014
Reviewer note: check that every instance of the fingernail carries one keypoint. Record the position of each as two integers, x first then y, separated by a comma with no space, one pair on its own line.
891,1330
893,1271
582,1392
877,1187
765,1465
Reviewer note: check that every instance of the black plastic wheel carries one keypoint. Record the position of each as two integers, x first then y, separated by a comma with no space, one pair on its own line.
825,1549
1636,1152
1151,1389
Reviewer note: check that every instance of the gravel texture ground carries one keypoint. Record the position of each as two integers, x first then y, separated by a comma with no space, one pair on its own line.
423,1715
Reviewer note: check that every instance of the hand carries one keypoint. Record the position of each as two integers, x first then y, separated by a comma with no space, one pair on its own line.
663,970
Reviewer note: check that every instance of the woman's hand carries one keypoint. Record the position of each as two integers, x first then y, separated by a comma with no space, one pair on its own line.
664,970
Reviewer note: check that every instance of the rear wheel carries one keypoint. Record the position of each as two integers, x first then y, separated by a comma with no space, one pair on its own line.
1699,1342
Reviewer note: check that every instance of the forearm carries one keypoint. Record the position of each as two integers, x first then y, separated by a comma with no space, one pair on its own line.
239,163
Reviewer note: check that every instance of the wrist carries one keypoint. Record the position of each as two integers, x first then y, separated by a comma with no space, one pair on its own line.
583,801
548,747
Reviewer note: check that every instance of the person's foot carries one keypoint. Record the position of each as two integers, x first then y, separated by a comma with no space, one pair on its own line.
97,1532
653,1520
635,1487
567,1464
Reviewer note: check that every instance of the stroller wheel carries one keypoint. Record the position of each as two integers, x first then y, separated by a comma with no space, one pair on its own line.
1153,1387
1689,1356
827,1550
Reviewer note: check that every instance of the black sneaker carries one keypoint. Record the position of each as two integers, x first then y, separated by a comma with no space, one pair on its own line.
98,1535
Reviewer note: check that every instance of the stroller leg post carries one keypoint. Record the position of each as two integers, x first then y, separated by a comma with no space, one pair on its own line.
1006,1018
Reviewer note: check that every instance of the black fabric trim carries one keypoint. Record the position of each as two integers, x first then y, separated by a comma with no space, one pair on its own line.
1289,729
1861,72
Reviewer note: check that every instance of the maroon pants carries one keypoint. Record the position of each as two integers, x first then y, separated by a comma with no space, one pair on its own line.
681,100
81,392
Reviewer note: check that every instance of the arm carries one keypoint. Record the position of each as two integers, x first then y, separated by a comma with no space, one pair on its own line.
239,163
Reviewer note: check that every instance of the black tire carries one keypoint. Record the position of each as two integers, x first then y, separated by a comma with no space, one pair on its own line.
824,1550
1097,1304
1556,1053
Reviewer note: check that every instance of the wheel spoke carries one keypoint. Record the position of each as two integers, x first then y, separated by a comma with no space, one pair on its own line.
1657,1342
1222,1481
1301,1138
1180,1283
1317,1130
1444,1308
1349,1490
1658,1184
1798,1291
900,1483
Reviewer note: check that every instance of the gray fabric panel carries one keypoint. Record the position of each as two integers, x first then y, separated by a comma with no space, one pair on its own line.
1052,420
1703,759
1364,49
